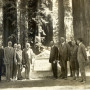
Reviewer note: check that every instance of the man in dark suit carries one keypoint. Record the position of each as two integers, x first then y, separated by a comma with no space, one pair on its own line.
1,59
64,51
82,58
53,59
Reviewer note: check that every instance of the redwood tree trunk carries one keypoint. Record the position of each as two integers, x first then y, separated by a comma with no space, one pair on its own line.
81,16
9,21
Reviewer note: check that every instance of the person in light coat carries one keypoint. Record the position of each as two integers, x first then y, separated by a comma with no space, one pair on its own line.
19,61
27,56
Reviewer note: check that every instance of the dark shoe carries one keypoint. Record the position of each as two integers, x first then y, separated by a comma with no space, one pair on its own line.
65,78
8,80
19,79
74,78
70,76
84,82
27,78
61,76
55,77
80,80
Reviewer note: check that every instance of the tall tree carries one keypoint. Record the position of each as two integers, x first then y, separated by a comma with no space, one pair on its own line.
81,18
9,21
68,19
1,28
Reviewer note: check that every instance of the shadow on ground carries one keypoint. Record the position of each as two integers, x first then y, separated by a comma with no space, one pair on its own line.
43,83
45,79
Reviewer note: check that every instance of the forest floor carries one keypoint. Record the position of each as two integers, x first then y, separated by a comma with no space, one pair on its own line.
43,80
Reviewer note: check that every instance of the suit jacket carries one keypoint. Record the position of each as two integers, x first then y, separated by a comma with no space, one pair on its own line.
73,52
19,57
53,54
1,55
81,55
64,52
8,55
27,56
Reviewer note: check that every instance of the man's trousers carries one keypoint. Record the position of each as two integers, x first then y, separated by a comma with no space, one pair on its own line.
9,70
54,69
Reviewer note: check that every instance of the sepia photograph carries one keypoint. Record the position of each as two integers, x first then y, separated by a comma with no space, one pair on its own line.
44,44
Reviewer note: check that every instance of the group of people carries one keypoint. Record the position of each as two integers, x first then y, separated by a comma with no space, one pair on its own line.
14,59
74,52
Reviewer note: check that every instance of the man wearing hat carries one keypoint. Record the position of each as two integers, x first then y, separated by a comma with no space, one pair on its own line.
64,51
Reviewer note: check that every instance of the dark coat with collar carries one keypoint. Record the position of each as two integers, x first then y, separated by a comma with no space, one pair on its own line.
1,55
53,54
64,52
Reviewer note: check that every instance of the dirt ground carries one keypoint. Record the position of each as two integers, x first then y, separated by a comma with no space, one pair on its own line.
44,81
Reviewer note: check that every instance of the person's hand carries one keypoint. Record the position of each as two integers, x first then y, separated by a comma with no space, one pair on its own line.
54,62
24,66
58,61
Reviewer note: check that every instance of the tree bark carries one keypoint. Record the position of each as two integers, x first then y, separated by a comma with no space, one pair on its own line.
9,21
68,19
55,21
61,18
1,24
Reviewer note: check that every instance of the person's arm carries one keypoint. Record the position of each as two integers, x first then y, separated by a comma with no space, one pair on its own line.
56,54
68,51
2,53
32,53
23,57
84,52
50,60
14,56
32,56
5,59
3,56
